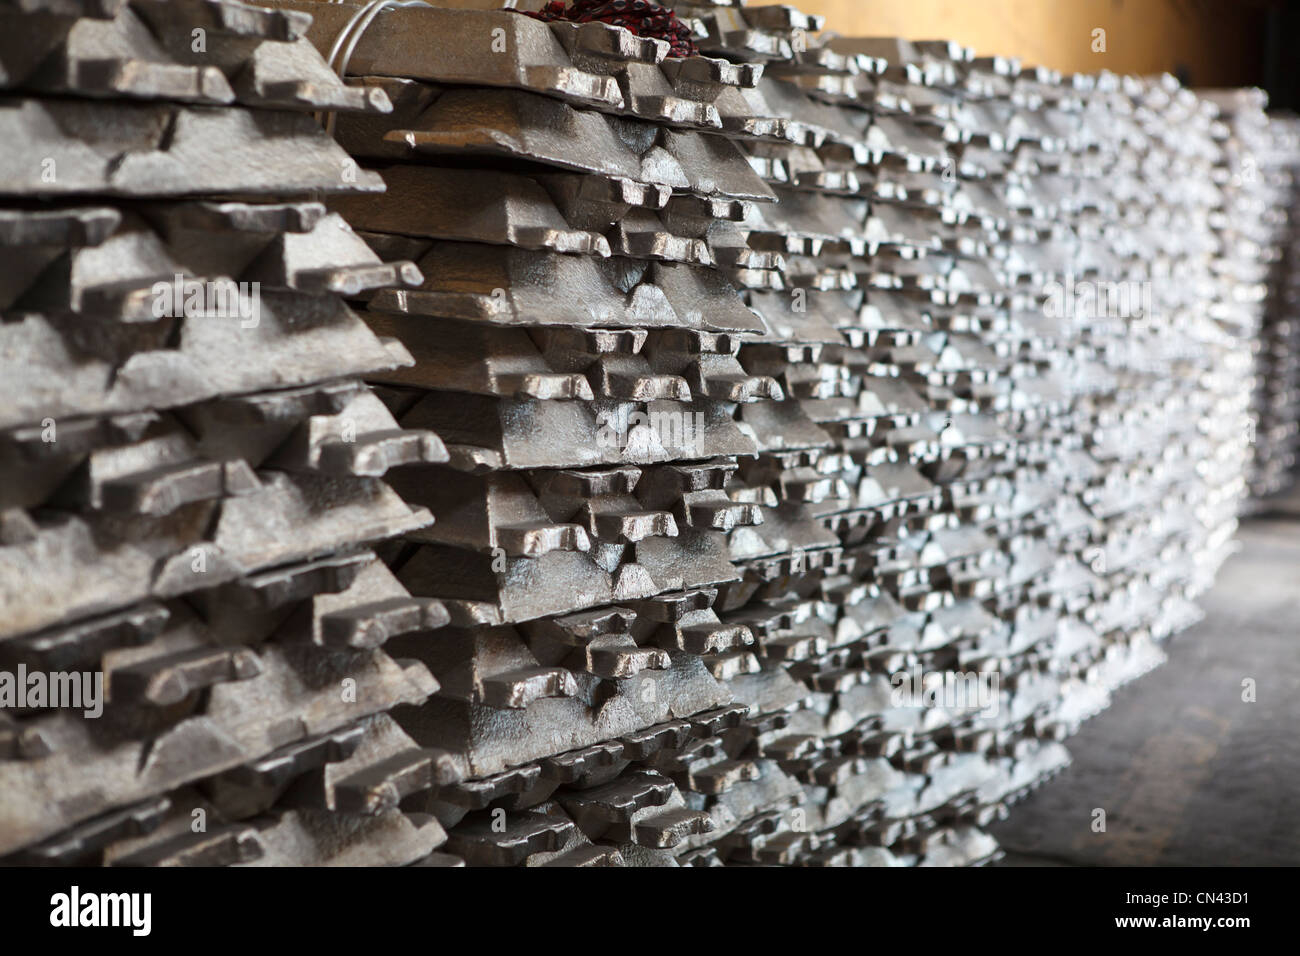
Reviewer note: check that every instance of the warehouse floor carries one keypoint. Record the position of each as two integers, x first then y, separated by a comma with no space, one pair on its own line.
1187,772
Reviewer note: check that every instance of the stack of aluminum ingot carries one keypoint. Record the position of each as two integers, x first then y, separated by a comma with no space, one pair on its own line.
576,337
1259,186
830,426
191,468
1277,393
966,467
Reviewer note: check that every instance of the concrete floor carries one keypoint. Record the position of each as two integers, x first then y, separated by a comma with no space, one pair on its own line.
1187,772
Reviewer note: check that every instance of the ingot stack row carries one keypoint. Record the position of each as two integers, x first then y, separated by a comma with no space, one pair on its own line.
192,470
1260,184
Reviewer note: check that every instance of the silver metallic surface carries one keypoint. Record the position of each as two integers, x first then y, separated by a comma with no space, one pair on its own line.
752,393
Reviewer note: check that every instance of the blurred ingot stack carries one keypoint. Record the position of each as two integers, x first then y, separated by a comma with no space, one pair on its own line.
1258,178
1121,187
1277,395
1282,323
1192,361
1019,133
1276,407
1228,338
192,469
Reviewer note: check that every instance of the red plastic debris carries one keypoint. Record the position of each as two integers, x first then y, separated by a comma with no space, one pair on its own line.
642,17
